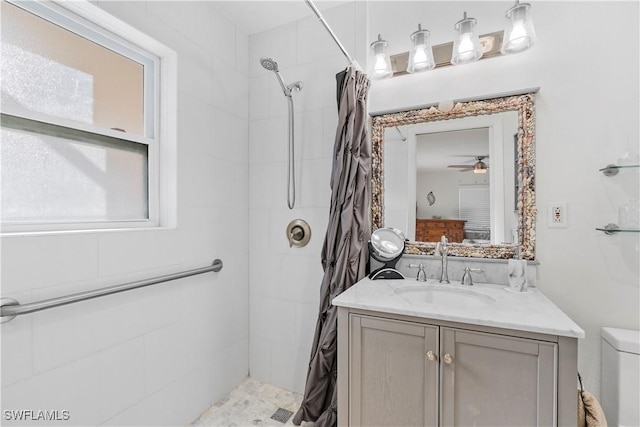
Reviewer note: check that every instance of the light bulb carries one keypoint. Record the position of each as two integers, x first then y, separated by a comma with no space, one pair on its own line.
420,56
518,30
380,65
466,46
421,60
518,33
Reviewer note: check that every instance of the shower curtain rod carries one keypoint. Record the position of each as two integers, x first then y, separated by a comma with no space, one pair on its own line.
335,38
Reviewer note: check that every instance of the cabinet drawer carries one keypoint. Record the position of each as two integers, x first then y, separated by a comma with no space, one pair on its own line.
433,236
436,225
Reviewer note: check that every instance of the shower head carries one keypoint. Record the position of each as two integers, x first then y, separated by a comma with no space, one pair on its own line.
269,64
272,65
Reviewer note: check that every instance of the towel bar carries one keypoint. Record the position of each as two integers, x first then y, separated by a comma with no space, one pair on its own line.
10,308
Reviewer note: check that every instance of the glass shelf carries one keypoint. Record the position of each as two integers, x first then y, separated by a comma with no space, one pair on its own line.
612,170
613,229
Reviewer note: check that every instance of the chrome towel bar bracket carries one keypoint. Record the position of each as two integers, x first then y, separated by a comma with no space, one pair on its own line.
10,308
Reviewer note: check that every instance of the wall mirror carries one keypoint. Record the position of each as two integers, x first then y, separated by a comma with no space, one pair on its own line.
426,178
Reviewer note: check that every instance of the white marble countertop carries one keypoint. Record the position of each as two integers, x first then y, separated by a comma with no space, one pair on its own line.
480,304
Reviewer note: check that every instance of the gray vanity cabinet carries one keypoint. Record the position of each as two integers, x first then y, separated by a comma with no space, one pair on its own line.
404,373
495,380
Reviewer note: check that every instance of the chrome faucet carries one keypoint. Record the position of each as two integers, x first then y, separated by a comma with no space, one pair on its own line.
422,276
441,250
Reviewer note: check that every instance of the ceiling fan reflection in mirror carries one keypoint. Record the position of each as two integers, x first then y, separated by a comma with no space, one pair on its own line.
478,167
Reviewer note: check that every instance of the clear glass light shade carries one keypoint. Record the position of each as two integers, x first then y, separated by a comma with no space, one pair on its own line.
380,64
466,45
421,55
519,33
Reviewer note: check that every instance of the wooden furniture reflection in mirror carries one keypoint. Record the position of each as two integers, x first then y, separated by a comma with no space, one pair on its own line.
430,230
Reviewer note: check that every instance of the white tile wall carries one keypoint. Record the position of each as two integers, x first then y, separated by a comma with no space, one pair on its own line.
162,354
38,261
121,377
17,365
74,387
285,282
279,44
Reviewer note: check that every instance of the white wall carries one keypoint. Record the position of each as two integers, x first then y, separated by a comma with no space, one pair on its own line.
444,185
395,154
158,355
285,282
586,117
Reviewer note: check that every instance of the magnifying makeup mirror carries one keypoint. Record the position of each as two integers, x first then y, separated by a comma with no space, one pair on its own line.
386,246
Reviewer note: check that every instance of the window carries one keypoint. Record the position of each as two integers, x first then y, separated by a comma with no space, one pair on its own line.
80,120
475,208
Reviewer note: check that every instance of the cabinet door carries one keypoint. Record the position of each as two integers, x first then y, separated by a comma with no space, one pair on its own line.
494,380
392,381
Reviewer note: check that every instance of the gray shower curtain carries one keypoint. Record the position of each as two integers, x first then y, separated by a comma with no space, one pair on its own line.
344,253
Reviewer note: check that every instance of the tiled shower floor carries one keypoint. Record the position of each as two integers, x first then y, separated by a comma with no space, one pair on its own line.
252,403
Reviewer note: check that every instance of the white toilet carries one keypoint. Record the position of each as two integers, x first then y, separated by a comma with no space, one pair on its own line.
620,371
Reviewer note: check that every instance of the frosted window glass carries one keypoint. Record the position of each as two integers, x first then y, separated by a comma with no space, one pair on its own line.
48,69
62,175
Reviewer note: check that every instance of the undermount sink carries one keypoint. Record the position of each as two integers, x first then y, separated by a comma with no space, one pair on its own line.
441,296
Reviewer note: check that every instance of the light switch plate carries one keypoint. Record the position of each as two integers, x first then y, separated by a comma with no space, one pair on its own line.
557,215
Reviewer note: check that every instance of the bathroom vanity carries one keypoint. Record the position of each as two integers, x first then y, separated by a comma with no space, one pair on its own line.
424,354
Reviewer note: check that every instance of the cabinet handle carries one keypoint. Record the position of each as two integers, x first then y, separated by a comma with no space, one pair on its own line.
431,356
448,359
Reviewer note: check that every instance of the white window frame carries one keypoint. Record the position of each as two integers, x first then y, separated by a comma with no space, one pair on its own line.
160,110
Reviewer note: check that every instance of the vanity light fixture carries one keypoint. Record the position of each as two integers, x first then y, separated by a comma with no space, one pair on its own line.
381,65
466,45
421,54
519,33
